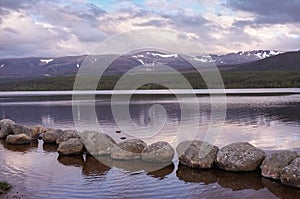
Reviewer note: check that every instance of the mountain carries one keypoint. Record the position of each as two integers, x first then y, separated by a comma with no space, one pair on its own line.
289,61
37,67
237,58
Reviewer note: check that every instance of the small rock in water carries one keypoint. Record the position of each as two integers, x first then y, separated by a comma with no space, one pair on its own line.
18,139
197,154
66,135
273,164
97,143
123,138
291,174
117,131
240,156
128,150
158,152
5,128
51,135
72,146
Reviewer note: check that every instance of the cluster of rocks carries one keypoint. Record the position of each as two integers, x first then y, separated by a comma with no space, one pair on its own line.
242,157
236,157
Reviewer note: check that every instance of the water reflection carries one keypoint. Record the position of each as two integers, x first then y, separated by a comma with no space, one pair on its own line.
280,190
162,173
76,160
50,147
20,148
233,181
92,167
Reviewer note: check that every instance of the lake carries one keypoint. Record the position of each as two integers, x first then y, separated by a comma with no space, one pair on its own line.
270,122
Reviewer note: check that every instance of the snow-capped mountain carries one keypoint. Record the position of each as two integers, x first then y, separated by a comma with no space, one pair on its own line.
237,58
149,60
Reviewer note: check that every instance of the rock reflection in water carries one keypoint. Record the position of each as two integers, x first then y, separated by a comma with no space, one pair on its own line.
76,160
92,167
20,148
162,173
50,147
132,165
233,181
279,190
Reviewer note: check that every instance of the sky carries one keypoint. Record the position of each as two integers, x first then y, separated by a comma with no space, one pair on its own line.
52,28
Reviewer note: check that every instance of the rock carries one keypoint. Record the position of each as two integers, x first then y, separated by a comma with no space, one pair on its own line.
128,150
5,128
66,135
6,121
290,175
158,152
72,146
37,131
97,143
51,135
19,129
273,164
18,139
197,154
240,156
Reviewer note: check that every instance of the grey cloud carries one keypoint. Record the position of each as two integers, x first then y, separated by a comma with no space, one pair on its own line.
268,11
154,23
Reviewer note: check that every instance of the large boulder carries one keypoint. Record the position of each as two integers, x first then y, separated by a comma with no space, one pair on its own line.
18,139
291,174
5,128
97,143
128,150
72,146
158,152
51,135
66,135
273,164
20,129
197,154
37,131
240,156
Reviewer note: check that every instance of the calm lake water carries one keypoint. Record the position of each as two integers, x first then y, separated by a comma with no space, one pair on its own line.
36,171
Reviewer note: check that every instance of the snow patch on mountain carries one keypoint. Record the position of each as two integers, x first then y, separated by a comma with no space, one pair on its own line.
46,61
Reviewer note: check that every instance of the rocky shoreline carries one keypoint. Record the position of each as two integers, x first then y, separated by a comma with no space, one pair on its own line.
242,157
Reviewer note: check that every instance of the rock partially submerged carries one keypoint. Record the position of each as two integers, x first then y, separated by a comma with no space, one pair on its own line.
72,146
291,174
128,150
5,128
97,143
51,135
158,152
273,164
18,139
240,156
197,154
66,135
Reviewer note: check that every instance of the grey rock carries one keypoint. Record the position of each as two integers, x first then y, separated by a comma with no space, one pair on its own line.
72,146
18,139
5,128
66,135
158,152
240,156
128,150
51,135
273,164
97,143
197,154
290,175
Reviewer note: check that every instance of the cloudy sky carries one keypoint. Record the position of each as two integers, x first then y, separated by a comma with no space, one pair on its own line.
74,27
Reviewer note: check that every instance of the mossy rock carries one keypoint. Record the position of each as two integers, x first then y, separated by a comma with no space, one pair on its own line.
4,186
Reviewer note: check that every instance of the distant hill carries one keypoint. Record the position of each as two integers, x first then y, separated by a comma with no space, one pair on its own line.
39,67
289,61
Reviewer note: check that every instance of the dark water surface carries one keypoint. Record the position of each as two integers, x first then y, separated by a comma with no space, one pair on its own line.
36,171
